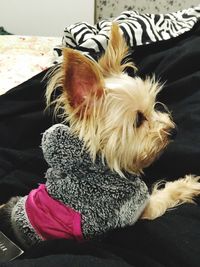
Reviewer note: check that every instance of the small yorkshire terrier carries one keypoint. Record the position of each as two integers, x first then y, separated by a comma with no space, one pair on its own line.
115,115
114,133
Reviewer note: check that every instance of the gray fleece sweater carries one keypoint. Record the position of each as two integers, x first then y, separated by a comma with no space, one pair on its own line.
104,199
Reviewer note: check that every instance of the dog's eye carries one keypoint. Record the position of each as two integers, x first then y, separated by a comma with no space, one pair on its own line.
160,107
140,118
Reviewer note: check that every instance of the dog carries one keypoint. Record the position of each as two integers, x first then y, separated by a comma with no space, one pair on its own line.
115,132
116,115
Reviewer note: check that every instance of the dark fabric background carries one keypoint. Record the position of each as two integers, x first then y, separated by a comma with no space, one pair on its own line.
172,240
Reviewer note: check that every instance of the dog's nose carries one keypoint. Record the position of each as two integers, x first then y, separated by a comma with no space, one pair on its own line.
173,132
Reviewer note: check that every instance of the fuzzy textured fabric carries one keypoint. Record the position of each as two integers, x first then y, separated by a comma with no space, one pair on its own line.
104,199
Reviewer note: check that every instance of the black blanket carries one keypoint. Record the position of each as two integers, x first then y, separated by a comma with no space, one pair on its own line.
172,240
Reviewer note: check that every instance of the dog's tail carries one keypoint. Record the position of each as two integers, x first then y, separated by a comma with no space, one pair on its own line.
171,195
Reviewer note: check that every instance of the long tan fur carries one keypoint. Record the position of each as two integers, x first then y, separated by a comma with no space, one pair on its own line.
117,50
103,105
172,195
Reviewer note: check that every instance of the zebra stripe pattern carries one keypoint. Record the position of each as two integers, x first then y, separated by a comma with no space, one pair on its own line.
138,29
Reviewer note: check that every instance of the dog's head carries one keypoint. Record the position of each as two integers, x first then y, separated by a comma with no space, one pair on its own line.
114,114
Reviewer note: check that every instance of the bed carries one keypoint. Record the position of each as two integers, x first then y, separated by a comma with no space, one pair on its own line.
22,57
172,240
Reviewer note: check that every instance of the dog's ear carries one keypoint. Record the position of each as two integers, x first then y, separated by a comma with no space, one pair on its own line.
82,79
117,50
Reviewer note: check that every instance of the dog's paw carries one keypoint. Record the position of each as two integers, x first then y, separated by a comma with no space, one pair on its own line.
173,194
187,188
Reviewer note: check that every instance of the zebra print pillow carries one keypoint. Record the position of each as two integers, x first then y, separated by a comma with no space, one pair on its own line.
138,29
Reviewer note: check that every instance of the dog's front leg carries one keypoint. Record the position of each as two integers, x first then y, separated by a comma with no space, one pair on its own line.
175,193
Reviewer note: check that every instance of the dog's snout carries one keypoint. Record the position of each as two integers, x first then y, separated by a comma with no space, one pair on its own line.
173,132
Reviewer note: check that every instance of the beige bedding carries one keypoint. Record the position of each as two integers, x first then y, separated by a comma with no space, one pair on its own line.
22,57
